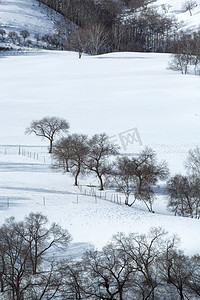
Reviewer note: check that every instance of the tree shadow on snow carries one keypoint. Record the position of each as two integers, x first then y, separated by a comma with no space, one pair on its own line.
24,167
37,190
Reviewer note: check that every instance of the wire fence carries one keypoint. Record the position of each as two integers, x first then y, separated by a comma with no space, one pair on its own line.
38,153
98,194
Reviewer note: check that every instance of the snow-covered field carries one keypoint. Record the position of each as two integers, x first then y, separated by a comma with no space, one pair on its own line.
28,185
121,94
113,93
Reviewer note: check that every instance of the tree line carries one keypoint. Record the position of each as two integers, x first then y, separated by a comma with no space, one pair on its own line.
136,177
107,26
24,39
135,266
126,25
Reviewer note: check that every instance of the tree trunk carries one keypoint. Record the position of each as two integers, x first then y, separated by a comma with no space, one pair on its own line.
2,284
67,165
101,182
76,178
126,199
50,146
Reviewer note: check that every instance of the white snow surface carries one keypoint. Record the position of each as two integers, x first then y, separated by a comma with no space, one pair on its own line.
113,93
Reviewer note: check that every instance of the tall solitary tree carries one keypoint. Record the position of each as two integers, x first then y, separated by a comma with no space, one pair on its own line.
48,127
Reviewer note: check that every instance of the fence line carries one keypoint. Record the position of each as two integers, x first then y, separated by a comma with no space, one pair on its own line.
27,151
97,194
39,156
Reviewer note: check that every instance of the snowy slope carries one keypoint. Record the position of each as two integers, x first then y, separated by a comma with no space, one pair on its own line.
112,93
175,8
27,14
30,186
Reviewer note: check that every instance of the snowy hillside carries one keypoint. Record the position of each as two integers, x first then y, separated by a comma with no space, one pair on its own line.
27,15
30,185
114,93
176,8
125,95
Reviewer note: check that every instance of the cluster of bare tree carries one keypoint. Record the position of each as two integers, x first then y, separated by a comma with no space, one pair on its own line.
136,177
108,25
15,38
186,57
49,41
184,191
79,154
137,266
27,270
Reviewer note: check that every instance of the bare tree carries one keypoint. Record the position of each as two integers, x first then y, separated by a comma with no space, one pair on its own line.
14,255
148,172
70,154
90,39
48,127
180,62
192,163
189,6
139,176
2,33
14,37
78,41
62,152
23,246
97,36
176,270
37,37
185,53
109,273
144,252
123,177
47,283
41,238
25,34
194,280
79,153
184,195
98,157
73,280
